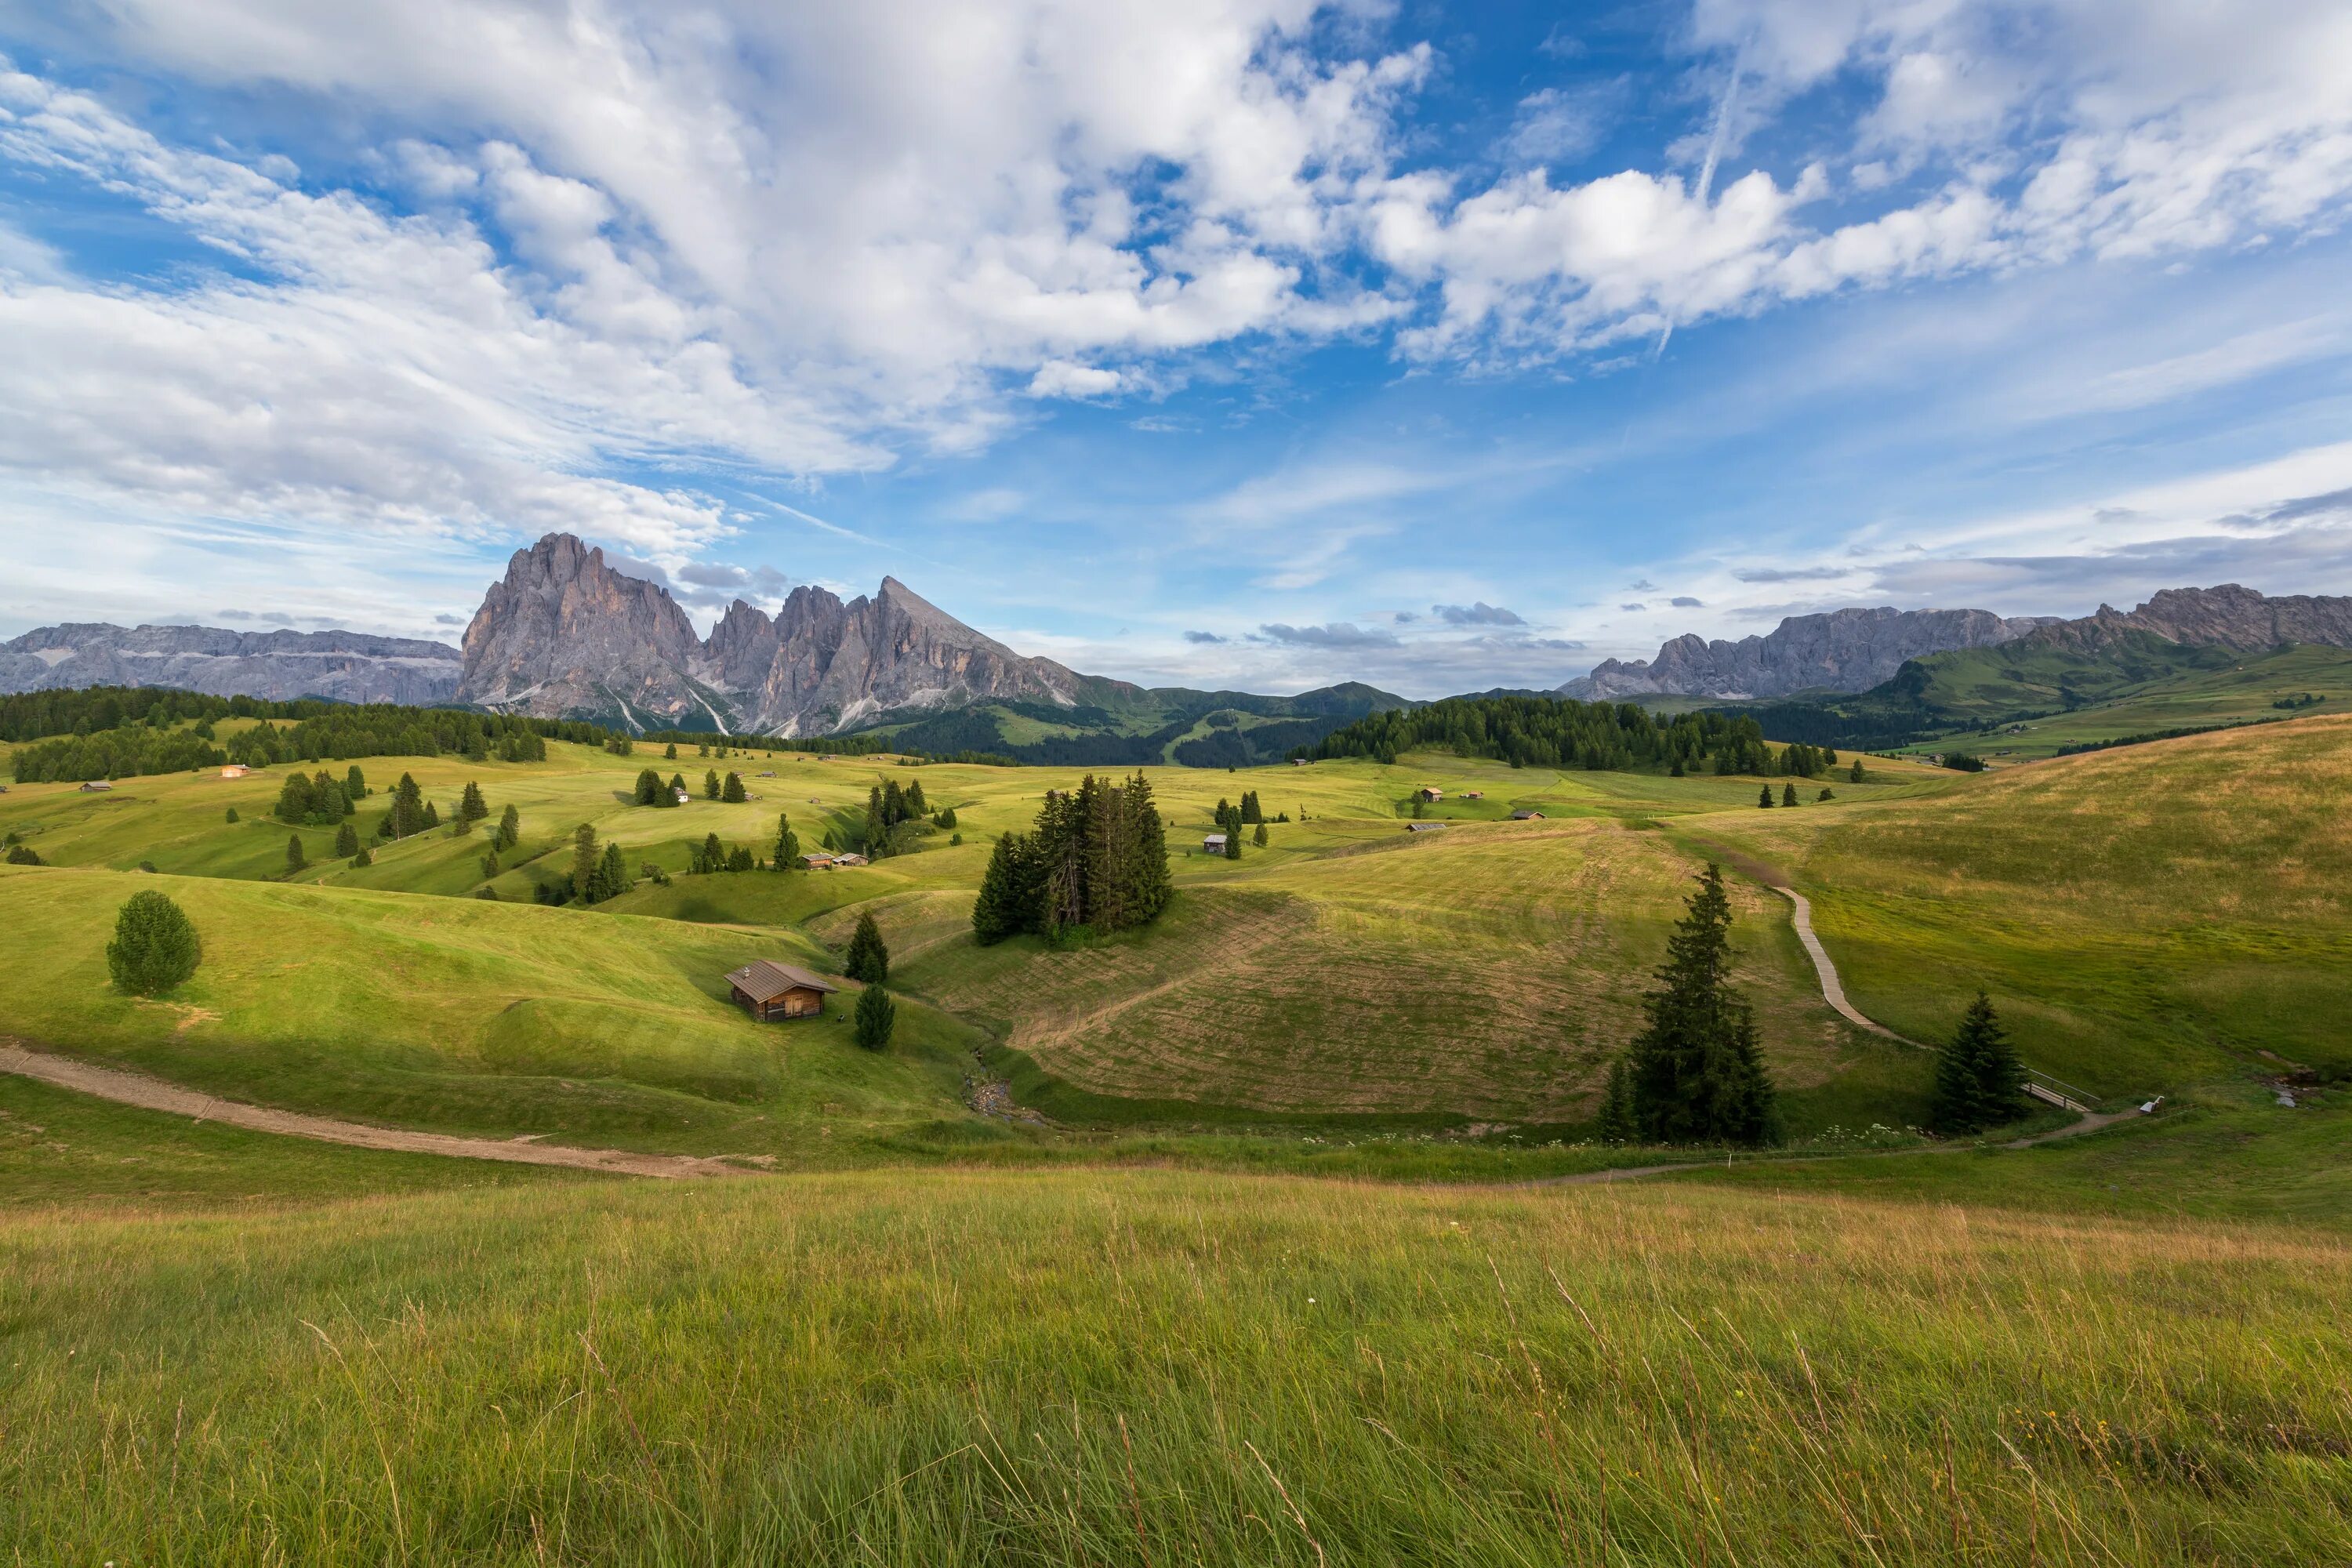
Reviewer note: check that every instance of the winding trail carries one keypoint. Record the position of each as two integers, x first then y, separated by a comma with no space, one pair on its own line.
155,1094
1832,988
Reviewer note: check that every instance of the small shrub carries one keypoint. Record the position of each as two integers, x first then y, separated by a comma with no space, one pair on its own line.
232,814
363,857
148,867
22,854
486,893
154,946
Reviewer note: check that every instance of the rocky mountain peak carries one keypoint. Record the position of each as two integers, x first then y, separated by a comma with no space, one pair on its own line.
1844,650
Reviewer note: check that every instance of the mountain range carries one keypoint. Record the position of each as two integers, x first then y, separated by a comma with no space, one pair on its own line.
564,634
1856,650
345,667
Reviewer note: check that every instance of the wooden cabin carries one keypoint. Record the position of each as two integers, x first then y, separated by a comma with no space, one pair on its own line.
1523,814
1422,826
1214,843
817,862
1431,791
770,991
235,770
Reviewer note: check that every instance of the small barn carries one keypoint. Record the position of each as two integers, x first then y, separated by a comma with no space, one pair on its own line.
849,859
94,786
817,862
768,991
235,770
1523,814
683,797
1431,791
1474,794
1214,843
1422,826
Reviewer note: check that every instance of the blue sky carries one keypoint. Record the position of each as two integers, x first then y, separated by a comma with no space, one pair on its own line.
1250,343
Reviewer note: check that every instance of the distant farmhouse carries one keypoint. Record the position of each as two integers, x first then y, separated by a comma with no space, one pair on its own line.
768,991
1431,791
1524,815
1422,826
1214,844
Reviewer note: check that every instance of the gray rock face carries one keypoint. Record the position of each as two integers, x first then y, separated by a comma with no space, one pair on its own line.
565,633
2239,617
346,667
1845,650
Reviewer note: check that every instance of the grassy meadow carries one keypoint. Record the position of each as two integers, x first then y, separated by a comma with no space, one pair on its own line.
1258,1285
2146,918
928,1368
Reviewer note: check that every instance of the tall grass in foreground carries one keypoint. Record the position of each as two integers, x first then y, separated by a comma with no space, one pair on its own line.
1159,1368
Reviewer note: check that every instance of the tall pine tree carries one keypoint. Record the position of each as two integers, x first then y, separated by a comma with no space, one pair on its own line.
1698,1072
868,961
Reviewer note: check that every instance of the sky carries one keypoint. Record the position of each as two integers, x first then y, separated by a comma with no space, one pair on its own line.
1249,343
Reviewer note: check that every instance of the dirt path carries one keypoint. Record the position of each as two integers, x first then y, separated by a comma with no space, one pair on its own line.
1832,988
155,1094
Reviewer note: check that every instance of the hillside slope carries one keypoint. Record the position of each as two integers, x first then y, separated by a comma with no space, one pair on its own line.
2144,918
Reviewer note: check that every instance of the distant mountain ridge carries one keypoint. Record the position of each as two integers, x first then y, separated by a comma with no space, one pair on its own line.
1856,650
1841,650
566,634
344,667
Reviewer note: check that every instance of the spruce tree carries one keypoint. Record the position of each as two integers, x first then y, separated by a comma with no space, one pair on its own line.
870,960
471,806
878,1018
1001,909
916,804
295,859
669,753
407,813
649,789
355,783
232,814
1258,838
713,853
347,842
733,793
1788,794
1979,1082
365,858
1232,844
788,843
1617,1123
154,946
489,864
676,788
585,858
1698,1072
510,831
711,784
1764,798
1855,775
1827,794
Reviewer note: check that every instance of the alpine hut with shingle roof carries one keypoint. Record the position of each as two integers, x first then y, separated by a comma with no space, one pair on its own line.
770,991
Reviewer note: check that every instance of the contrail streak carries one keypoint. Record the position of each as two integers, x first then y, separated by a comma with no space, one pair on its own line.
1707,167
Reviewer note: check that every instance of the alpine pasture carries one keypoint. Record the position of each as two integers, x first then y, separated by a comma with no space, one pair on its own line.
1064,1273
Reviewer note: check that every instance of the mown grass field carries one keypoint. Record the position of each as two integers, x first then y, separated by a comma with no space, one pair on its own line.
1162,1368
2146,918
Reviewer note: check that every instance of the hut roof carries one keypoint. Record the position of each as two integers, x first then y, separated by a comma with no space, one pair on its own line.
763,980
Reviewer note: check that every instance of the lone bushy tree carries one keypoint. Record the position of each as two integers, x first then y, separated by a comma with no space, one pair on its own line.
869,959
347,842
1979,1082
788,843
732,793
877,1018
1788,794
295,859
1698,1071
154,946
1765,797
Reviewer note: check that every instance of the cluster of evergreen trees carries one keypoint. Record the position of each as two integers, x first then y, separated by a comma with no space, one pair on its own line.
1097,858
651,791
890,806
1560,733
320,800
1695,1074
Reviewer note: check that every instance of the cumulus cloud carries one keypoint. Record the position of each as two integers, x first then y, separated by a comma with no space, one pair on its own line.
1478,614
1199,638
1685,602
